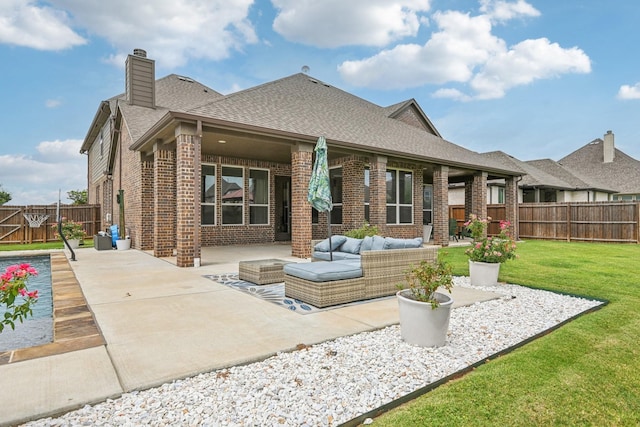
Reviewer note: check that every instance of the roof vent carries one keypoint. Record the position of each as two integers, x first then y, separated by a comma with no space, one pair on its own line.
140,52
185,79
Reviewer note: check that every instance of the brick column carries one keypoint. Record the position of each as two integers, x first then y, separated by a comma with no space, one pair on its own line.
468,198
145,237
378,193
441,205
511,205
352,194
164,206
479,194
418,197
185,195
301,229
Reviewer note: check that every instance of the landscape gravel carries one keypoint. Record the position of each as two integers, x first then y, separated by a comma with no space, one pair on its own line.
333,382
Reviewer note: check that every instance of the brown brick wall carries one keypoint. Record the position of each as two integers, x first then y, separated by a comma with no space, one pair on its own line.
441,205
164,208
145,237
301,166
511,205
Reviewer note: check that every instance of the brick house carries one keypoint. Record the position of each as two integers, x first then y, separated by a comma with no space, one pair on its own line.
202,169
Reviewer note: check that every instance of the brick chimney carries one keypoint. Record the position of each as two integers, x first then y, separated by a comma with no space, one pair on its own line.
608,147
140,79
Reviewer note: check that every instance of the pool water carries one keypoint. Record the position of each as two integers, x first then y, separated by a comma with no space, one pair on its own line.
36,329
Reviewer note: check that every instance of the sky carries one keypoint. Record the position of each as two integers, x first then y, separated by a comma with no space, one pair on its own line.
535,79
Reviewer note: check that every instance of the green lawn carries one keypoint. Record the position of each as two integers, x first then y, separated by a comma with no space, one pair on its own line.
41,246
586,373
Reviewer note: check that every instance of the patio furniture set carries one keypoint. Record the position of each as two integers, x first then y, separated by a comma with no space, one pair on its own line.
361,269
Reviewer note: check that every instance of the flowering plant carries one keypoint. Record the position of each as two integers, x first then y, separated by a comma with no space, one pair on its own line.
13,282
70,229
423,280
489,249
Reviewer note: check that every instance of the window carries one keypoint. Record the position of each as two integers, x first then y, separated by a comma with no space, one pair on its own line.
232,193
101,145
367,200
258,196
427,204
335,179
500,194
208,195
399,197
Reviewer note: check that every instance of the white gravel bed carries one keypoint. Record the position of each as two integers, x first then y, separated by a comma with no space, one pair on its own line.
332,382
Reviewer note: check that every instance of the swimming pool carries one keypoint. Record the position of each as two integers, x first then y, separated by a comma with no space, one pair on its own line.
36,329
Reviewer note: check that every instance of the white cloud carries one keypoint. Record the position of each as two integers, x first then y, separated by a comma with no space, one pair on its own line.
33,180
500,10
629,92
24,23
464,51
171,31
52,103
334,23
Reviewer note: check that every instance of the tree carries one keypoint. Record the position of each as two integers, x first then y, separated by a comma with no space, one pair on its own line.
79,197
5,197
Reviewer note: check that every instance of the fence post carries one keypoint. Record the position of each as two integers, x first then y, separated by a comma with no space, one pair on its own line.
568,222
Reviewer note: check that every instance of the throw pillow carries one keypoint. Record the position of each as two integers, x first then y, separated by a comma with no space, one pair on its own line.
351,245
378,243
336,241
391,243
367,242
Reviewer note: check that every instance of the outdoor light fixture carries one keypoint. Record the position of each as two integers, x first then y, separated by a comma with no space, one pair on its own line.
222,141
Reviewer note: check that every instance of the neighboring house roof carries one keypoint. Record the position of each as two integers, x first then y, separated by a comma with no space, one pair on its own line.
302,105
622,174
553,168
533,176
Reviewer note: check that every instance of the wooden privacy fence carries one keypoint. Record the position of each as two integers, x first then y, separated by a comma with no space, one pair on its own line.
613,222
15,228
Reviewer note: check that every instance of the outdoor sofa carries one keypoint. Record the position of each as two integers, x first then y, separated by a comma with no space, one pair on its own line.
372,272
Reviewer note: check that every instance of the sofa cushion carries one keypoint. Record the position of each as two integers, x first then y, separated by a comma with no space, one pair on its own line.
337,256
378,243
336,241
391,243
323,271
351,245
367,242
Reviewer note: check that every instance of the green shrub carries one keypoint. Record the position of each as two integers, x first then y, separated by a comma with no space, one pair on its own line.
360,233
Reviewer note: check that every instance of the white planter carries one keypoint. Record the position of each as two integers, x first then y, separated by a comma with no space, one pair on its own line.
123,244
422,325
484,273
73,243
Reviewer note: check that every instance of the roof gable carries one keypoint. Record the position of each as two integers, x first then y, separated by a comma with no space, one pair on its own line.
410,113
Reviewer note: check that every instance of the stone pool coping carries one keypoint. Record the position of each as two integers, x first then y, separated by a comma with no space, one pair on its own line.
74,326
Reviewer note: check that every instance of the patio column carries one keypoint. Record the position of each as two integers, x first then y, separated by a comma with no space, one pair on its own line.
511,205
147,199
468,198
378,193
479,194
301,228
441,205
164,204
185,194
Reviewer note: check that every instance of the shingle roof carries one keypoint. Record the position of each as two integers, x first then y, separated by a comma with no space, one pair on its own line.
173,93
555,169
621,175
535,177
300,104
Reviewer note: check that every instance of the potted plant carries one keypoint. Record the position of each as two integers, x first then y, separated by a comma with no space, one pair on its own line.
425,313
71,230
487,253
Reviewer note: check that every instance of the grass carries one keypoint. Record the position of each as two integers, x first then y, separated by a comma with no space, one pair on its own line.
41,246
585,373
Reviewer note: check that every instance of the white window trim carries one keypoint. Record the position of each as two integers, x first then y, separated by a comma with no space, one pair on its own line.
214,204
399,205
268,205
222,204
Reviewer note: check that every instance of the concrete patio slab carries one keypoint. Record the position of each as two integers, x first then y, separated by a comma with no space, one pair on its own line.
161,323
